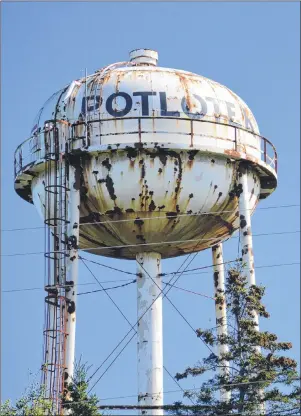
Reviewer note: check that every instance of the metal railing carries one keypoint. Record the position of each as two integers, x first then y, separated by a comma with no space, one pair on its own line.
39,146
35,147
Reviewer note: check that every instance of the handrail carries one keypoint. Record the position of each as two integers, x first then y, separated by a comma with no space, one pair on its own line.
273,160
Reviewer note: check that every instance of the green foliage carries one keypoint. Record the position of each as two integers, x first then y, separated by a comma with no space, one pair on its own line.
255,377
77,401
32,403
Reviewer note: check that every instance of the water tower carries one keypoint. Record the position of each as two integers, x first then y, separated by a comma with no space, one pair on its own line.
139,162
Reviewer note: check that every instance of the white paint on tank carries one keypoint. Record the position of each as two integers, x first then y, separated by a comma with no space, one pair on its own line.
137,114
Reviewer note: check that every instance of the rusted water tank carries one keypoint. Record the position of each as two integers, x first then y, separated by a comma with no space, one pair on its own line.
158,151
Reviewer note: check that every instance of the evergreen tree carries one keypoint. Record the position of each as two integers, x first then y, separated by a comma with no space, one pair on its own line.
79,402
257,376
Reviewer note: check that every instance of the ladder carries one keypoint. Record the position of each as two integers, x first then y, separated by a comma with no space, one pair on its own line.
56,251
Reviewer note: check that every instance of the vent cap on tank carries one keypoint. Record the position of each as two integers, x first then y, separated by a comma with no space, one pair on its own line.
144,57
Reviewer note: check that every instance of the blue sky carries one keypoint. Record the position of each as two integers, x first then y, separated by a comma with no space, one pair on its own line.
252,48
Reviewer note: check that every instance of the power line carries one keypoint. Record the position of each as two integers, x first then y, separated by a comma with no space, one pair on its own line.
277,412
167,298
112,362
190,291
232,261
176,381
201,268
162,274
164,295
120,342
258,267
135,330
134,281
188,215
79,284
107,267
132,327
149,244
185,273
195,407
174,306
107,288
104,290
161,291
154,218
182,241
198,388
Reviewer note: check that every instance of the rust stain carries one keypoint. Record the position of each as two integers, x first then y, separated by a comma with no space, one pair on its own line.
232,153
190,164
132,164
183,80
253,159
119,75
191,155
153,120
101,81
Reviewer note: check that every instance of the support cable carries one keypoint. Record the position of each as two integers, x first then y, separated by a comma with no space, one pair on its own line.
107,288
161,291
112,300
174,306
185,273
107,267
132,328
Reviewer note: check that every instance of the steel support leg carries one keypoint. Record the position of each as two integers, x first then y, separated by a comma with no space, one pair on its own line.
149,332
246,230
247,244
72,268
220,312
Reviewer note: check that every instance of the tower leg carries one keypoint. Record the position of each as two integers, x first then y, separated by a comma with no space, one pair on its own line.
220,312
72,269
246,230
149,332
247,245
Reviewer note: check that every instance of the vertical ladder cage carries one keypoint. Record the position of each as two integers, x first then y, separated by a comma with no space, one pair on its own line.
56,253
